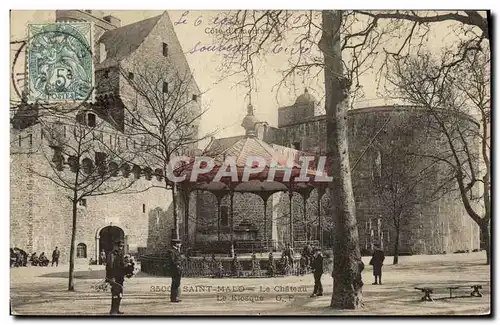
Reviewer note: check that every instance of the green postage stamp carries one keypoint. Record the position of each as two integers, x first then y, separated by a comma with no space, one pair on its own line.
60,65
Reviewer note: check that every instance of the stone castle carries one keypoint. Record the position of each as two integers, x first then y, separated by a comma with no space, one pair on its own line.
377,136
41,217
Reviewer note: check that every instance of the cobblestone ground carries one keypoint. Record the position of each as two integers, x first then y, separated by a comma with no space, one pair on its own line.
43,291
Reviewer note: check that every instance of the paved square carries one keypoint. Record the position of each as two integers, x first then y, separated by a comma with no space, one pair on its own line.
36,290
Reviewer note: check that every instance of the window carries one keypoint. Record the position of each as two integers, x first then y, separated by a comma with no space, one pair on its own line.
377,165
31,140
165,49
130,76
165,87
91,120
81,251
195,97
100,158
224,216
82,202
144,208
106,73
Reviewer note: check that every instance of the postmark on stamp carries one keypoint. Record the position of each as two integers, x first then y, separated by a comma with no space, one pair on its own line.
60,62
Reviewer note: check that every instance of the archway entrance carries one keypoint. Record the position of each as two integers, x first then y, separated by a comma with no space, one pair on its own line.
108,235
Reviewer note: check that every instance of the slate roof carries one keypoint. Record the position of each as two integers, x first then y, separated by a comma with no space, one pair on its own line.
251,147
257,182
219,145
123,41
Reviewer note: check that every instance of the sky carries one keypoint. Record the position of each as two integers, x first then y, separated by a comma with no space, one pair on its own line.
227,103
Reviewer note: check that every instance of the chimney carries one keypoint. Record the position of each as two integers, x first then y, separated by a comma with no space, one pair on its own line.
96,13
113,20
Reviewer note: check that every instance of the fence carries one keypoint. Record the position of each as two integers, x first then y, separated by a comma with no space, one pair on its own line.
225,267
246,246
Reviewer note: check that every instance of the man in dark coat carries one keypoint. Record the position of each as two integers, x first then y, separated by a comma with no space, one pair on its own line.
55,256
377,261
289,253
115,275
308,252
175,261
317,267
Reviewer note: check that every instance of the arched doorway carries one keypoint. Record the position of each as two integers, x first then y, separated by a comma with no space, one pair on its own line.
108,235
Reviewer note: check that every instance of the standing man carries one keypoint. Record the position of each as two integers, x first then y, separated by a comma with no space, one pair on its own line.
307,252
115,275
102,257
377,261
175,260
317,267
55,256
289,253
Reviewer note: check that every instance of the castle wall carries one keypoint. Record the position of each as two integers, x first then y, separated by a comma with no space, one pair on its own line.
432,226
172,68
41,213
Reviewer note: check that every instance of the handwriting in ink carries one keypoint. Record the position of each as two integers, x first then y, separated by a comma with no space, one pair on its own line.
225,21
276,49
183,20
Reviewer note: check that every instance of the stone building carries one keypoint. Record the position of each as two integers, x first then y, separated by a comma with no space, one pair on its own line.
429,225
41,215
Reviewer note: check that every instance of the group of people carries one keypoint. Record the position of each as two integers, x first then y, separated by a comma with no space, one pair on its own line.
41,260
19,257
119,266
377,261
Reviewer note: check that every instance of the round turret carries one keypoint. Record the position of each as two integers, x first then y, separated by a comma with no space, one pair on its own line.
305,98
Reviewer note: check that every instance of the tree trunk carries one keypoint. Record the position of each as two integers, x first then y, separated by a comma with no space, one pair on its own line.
396,248
176,216
71,282
186,195
347,267
485,237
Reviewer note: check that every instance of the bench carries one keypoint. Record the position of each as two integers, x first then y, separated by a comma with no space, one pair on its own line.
430,290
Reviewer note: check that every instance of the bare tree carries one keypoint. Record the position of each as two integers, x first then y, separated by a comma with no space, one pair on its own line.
450,95
163,106
404,180
81,163
319,49
343,45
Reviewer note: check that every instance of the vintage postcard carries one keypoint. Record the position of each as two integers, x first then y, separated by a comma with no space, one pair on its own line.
250,162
